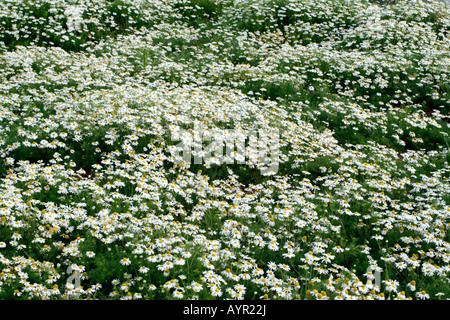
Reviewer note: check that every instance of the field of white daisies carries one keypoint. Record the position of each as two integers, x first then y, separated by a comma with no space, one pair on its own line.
107,111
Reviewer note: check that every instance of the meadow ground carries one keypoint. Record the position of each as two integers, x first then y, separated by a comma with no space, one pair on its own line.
224,149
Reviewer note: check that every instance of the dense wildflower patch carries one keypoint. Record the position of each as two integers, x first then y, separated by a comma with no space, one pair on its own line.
108,190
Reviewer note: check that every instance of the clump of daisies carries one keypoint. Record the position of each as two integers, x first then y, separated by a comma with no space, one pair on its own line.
218,150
